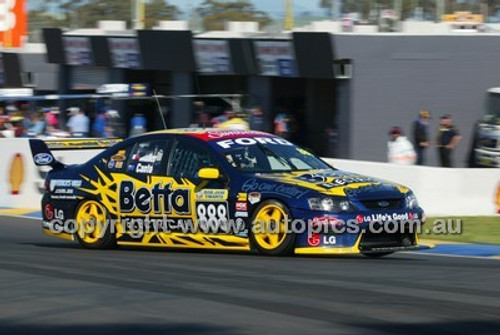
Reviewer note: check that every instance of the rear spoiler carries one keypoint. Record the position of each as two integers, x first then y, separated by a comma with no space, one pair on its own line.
42,154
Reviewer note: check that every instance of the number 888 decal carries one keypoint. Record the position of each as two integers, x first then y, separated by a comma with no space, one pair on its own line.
212,217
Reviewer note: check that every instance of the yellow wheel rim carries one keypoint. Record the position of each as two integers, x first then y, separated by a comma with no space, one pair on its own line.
270,227
91,218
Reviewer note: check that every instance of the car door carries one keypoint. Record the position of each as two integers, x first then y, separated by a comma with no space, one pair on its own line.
210,197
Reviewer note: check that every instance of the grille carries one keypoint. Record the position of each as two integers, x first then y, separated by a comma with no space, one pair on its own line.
488,143
372,240
383,204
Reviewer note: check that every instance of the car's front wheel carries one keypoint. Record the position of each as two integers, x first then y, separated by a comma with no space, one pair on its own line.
270,234
93,230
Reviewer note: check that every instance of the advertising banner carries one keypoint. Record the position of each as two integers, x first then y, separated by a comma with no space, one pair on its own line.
212,56
276,58
78,50
124,52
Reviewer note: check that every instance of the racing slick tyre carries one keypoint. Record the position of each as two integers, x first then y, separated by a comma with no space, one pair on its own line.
92,226
269,234
376,254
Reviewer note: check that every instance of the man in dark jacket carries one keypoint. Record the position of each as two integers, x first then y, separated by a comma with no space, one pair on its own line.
421,135
447,140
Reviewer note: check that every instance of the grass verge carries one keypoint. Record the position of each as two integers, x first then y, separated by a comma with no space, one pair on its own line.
475,229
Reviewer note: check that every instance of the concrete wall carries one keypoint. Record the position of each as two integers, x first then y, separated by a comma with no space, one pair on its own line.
395,76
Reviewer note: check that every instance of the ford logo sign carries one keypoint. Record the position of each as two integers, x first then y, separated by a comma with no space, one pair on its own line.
383,203
43,159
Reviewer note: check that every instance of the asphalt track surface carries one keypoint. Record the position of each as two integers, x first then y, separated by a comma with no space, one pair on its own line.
50,286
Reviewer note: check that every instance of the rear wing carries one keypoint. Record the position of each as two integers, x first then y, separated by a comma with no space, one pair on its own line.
42,150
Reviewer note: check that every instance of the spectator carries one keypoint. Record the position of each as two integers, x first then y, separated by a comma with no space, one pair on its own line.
399,148
78,123
421,135
38,125
283,125
256,119
137,124
448,138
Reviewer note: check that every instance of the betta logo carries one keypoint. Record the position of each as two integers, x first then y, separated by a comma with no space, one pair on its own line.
158,198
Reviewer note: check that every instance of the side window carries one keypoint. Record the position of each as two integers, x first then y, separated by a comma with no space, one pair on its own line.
187,159
147,158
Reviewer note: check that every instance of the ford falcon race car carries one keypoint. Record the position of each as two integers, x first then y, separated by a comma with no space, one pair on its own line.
220,189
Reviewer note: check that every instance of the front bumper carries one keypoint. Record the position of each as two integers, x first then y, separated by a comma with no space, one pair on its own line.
487,158
360,232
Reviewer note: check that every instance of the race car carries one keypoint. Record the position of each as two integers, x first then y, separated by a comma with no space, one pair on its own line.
223,189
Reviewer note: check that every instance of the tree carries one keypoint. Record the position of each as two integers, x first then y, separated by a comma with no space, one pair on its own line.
158,10
327,5
215,13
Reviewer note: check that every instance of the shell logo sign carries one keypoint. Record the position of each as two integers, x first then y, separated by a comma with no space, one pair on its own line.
13,23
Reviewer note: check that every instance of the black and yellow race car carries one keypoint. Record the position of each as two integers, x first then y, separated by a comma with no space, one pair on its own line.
222,189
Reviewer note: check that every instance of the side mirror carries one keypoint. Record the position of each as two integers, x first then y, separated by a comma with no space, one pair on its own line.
208,173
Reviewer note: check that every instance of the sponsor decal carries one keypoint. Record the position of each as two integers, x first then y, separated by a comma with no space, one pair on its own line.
131,167
43,158
118,165
65,183
314,239
211,194
242,196
161,199
241,206
253,185
329,240
152,157
144,168
254,197
228,143
49,212
383,217
111,164
222,134
119,157
241,214
64,191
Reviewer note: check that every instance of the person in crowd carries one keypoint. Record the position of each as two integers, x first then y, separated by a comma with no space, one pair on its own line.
234,122
283,125
138,124
421,135
38,125
256,119
399,148
226,116
447,140
99,125
332,137
78,123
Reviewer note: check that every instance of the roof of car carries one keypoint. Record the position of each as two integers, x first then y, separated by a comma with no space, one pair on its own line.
209,134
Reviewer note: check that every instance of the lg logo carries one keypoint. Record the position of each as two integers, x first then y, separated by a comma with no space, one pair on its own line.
7,15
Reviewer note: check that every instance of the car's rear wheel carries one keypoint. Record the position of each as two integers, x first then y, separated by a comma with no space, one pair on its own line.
93,230
269,234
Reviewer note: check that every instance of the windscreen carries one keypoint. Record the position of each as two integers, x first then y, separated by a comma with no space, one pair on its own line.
492,114
268,155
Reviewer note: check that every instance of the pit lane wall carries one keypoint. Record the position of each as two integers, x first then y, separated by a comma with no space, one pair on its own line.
440,191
